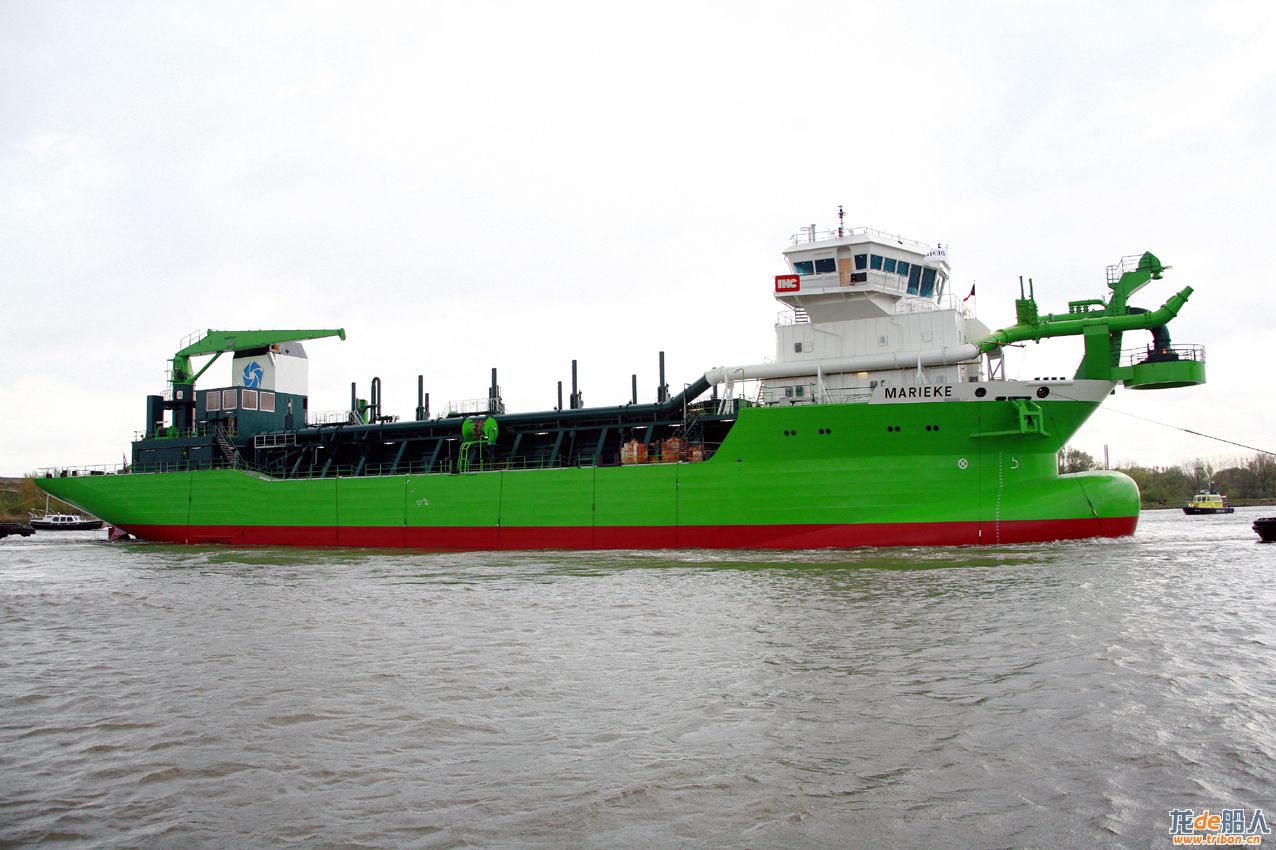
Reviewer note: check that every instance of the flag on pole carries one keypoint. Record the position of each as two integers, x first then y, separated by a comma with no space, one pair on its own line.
971,295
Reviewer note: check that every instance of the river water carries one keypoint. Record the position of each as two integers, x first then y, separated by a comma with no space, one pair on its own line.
1057,695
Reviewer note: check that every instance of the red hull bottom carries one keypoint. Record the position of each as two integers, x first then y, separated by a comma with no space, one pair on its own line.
647,537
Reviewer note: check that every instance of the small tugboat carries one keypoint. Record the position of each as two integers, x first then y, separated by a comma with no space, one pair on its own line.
1208,501
62,522
1265,527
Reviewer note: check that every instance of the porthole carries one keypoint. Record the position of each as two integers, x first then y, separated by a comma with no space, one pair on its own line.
1042,392
980,392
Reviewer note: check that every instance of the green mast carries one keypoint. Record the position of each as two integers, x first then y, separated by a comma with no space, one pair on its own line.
1102,324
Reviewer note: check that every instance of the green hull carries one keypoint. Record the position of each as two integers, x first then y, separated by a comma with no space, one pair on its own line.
785,477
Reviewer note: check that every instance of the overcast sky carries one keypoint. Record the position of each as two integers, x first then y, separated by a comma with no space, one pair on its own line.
476,184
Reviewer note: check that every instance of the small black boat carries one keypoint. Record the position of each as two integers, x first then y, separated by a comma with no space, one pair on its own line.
7,528
1266,528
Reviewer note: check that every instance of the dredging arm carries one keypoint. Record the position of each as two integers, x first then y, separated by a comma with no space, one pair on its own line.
1102,325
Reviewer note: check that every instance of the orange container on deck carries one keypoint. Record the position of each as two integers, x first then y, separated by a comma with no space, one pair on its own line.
673,450
633,452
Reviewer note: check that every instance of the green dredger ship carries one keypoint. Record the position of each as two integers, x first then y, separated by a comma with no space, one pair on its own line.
885,419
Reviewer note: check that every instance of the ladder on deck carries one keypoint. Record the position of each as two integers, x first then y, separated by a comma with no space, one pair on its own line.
227,447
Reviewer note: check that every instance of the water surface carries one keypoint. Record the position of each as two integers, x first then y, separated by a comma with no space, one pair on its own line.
1056,695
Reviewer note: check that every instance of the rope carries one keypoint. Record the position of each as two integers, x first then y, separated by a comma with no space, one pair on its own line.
1180,428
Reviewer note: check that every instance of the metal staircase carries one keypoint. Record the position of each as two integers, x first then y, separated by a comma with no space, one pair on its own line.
228,448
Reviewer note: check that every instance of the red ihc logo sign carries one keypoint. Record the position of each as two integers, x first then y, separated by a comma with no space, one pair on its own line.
788,283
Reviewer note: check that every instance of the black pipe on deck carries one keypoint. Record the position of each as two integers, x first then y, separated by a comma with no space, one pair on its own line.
662,391
577,400
422,406
628,413
635,390
494,403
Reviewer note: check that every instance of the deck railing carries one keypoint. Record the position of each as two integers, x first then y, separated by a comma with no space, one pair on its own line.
1153,354
809,235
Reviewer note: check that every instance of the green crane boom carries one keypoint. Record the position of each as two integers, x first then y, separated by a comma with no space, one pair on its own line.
218,342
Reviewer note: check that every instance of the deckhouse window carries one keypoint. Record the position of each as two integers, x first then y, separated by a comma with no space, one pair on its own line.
914,280
861,262
268,402
213,400
248,399
875,263
804,267
228,399
928,283
889,265
902,268
828,265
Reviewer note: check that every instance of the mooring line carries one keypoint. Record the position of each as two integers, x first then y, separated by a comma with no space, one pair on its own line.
1178,428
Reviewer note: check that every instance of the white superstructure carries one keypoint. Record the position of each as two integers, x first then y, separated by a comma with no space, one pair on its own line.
864,310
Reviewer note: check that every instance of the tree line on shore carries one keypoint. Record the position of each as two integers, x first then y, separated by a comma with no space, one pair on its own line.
1244,482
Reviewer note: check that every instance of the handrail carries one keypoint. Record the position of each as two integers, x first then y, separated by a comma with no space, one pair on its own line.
445,466
77,471
1153,353
810,236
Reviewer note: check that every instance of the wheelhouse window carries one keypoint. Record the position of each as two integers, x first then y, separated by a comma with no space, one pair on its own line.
827,265
928,283
914,280
804,267
875,263
861,262
889,265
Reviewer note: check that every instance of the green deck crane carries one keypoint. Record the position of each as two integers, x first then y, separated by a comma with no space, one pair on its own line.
216,343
